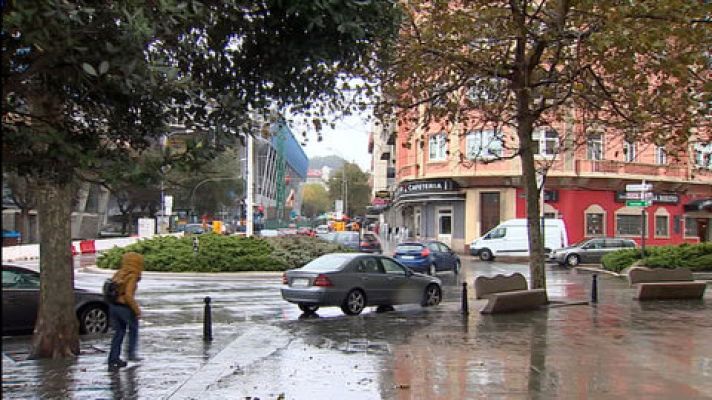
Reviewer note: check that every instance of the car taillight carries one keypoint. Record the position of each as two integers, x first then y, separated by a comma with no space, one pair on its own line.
364,244
322,280
284,279
425,252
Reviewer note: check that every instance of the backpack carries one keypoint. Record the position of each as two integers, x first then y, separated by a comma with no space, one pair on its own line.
111,291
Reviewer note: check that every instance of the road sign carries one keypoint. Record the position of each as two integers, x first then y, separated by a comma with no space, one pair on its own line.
639,188
637,203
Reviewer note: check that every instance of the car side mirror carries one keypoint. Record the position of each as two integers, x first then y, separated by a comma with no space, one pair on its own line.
408,273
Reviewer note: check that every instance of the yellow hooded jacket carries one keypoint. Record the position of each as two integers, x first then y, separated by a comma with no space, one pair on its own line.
127,277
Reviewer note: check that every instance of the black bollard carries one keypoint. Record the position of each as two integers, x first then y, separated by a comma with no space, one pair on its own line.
195,245
594,289
465,308
207,322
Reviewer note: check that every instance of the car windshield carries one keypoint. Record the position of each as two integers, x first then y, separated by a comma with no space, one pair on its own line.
409,247
328,262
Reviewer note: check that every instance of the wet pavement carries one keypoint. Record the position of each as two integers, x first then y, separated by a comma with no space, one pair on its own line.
264,348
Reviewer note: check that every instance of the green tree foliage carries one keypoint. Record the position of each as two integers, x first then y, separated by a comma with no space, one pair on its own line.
315,200
86,86
638,67
357,191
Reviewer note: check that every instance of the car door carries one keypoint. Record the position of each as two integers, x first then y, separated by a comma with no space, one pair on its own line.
372,279
398,291
447,255
20,298
593,251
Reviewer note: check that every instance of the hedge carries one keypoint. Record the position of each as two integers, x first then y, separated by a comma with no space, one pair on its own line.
697,257
219,253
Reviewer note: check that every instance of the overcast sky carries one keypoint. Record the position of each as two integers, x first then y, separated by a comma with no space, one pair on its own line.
348,140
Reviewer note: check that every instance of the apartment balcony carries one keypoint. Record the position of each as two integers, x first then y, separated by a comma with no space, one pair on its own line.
628,170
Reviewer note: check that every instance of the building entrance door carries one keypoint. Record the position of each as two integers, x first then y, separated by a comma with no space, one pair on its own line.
489,211
444,225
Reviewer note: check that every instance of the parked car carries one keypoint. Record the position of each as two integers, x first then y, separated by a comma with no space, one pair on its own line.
429,256
348,239
269,233
21,296
322,229
354,281
589,250
370,243
193,229
111,231
511,238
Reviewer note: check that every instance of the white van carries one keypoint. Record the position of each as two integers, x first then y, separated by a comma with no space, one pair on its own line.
511,238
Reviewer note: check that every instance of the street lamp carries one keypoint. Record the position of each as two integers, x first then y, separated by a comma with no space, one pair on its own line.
215,179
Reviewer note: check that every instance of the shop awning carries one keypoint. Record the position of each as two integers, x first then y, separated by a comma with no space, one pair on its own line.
699,205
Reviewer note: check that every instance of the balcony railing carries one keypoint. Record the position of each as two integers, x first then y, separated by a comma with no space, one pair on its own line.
624,168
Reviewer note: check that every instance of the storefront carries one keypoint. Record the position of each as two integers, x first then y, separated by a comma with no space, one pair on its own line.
432,209
672,218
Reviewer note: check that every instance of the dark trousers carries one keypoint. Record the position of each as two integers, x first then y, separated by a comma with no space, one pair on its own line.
122,317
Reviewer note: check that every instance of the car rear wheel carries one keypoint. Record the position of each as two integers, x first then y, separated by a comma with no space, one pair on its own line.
432,296
432,270
456,270
486,255
573,260
308,308
354,303
94,319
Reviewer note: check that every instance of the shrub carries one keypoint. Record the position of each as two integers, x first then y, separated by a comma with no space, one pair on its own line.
697,257
218,253
621,259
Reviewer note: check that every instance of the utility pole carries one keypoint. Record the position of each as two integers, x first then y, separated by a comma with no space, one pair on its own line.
250,186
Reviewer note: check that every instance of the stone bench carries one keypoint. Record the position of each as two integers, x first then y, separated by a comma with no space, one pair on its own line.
508,294
664,284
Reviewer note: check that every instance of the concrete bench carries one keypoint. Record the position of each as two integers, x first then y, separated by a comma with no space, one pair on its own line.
508,294
664,284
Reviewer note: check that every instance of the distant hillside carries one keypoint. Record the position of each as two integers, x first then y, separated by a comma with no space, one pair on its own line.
334,162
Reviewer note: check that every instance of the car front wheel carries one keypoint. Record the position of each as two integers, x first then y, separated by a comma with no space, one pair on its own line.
486,255
432,295
573,260
354,303
94,319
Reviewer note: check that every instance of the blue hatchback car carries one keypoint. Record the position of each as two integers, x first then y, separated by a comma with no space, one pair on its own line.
428,256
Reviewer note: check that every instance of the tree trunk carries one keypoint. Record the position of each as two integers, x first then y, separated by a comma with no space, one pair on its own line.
521,84
56,333
536,247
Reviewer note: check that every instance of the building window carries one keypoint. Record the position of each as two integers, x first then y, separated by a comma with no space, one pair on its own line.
662,226
629,151
703,155
594,224
690,227
483,145
545,142
628,224
595,221
595,146
437,147
660,155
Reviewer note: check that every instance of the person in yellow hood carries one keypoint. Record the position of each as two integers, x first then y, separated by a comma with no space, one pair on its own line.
125,312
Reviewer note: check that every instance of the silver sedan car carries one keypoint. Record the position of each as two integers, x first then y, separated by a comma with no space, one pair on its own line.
354,281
